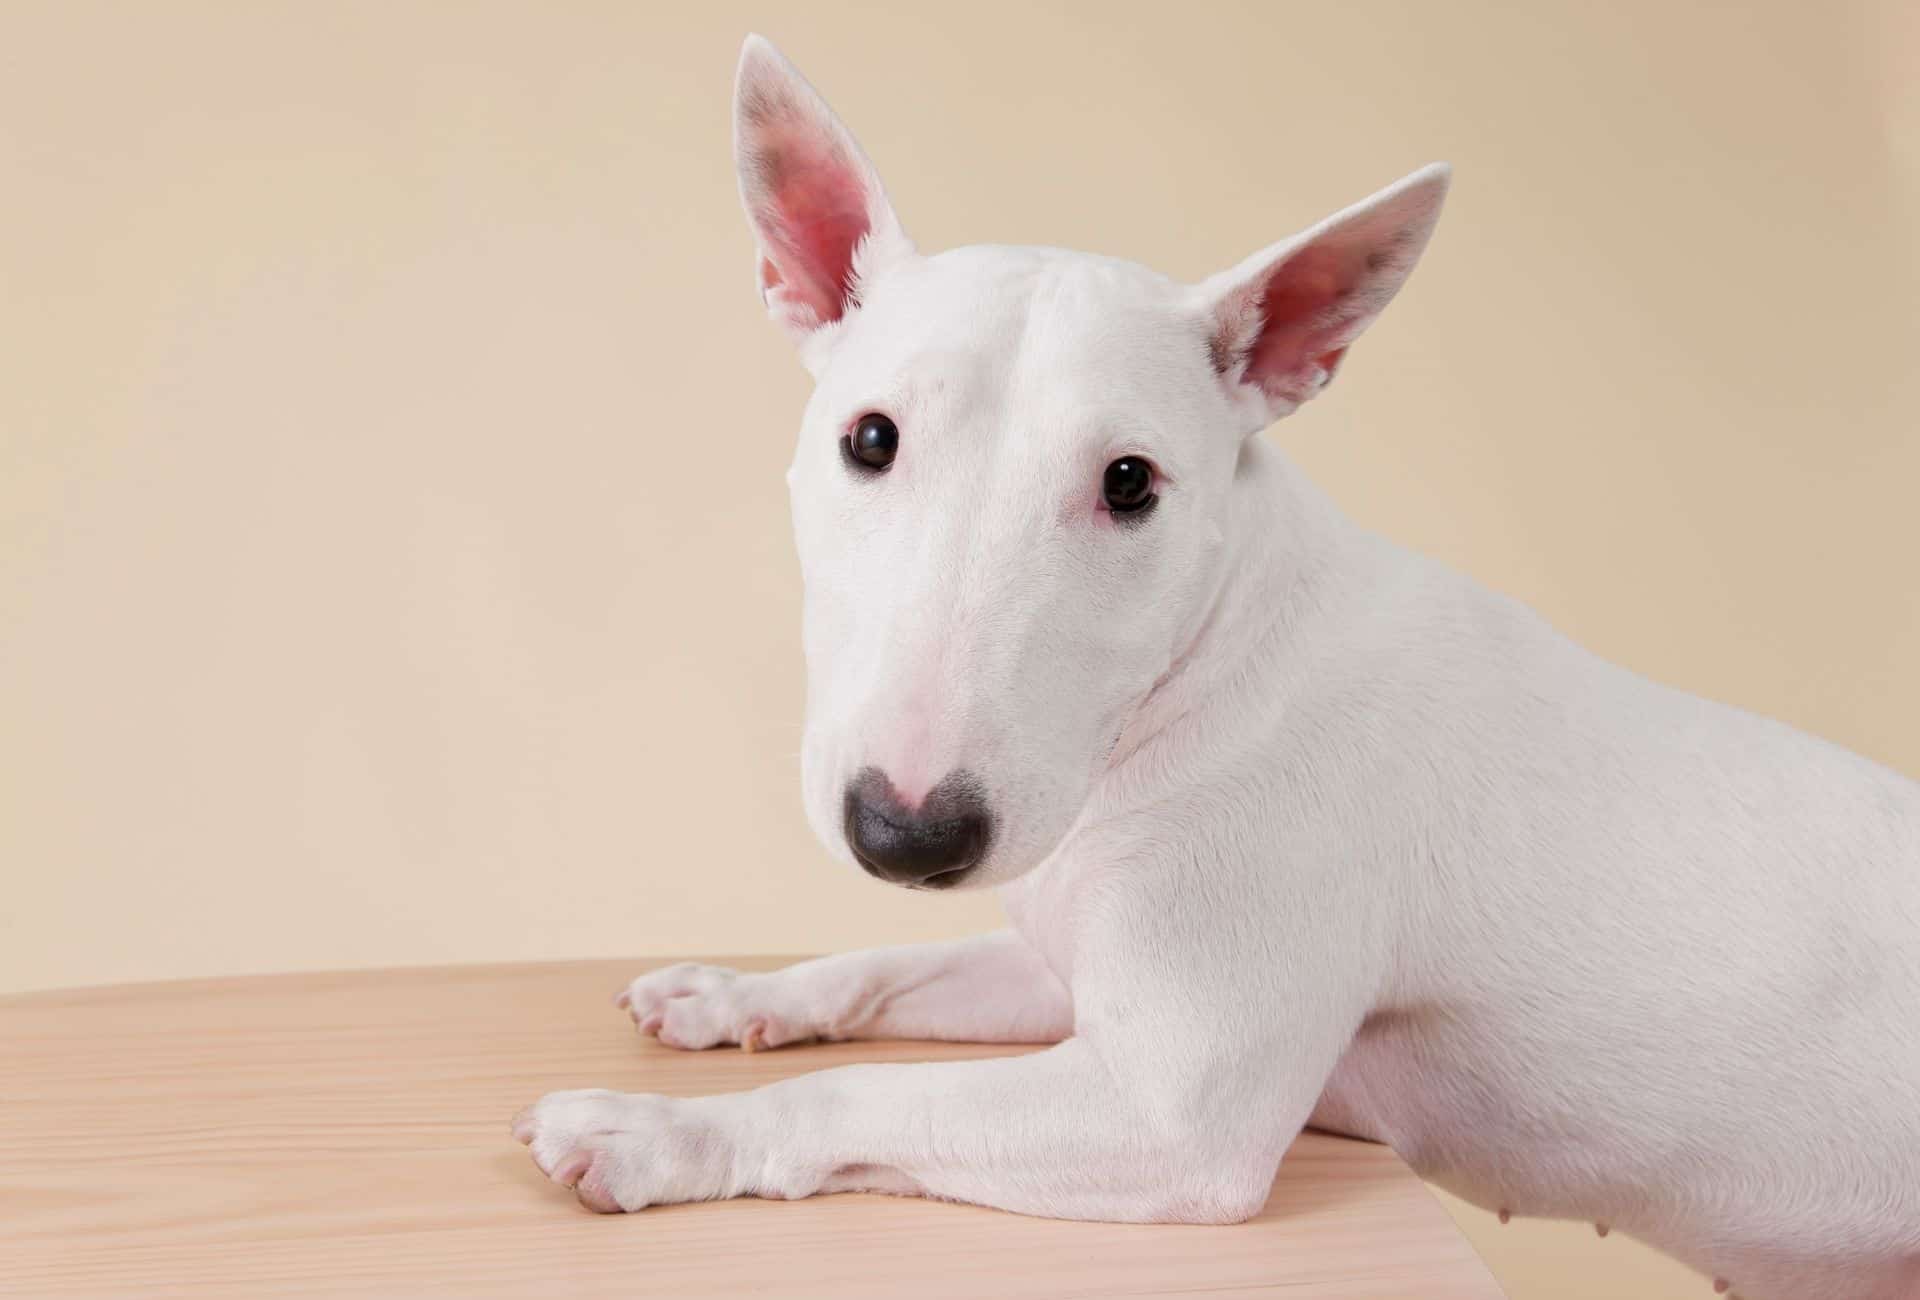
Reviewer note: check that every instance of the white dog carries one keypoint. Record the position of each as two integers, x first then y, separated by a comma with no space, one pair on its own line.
1293,826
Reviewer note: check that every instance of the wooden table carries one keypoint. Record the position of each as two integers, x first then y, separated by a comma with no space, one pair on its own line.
346,1134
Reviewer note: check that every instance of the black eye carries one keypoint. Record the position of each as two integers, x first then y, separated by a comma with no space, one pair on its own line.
1128,487
872,444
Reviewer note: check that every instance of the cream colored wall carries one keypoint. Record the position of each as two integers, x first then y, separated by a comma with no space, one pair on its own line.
394,562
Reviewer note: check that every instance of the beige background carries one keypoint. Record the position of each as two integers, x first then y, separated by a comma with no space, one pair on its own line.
394,563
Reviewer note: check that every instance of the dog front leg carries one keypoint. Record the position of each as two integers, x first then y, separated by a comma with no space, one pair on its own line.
1061,1132
992,988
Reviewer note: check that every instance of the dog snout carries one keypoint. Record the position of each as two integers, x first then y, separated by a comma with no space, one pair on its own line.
933,845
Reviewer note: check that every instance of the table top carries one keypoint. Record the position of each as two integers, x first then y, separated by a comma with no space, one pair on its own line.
346,1134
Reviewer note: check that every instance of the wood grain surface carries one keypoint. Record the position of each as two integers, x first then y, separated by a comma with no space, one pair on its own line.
346,1135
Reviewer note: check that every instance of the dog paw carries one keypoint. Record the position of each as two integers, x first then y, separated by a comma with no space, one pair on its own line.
625,1151
692,1006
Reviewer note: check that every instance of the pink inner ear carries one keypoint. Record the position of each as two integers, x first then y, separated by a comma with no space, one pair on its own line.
816,216
1310,309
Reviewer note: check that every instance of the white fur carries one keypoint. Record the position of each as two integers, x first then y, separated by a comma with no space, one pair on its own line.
1292,824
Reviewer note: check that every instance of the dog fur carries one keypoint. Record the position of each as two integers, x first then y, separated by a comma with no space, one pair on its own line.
1292,825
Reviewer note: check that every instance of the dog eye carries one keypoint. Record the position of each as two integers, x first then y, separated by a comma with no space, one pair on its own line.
1128,487
872,444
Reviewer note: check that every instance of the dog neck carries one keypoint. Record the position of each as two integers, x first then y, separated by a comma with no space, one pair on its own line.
1291,563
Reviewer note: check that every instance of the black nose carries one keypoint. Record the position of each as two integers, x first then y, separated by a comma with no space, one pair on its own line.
932,845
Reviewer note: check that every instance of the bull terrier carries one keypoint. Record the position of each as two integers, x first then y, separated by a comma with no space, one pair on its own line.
1292,826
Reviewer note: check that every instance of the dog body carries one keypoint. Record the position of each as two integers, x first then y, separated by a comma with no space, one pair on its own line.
1292,825
1618,953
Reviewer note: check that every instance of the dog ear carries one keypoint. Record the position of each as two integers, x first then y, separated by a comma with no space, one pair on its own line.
1279,323
819,214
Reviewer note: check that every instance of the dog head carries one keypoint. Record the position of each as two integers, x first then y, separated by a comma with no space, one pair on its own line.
1011,481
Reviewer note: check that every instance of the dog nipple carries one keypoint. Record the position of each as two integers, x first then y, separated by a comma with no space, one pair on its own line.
1506,1216
1720,1285
1602,1229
